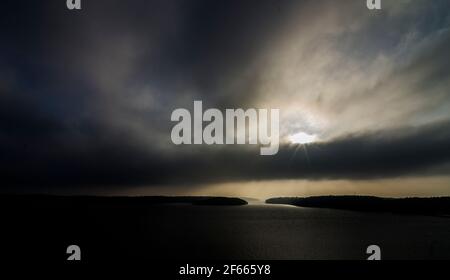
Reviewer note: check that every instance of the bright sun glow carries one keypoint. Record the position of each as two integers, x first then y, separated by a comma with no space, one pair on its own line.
302,138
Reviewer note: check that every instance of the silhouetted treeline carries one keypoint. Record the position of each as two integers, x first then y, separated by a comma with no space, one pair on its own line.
116,201
427,206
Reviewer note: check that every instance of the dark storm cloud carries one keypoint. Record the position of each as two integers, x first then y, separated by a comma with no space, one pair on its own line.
110,49
127,66
208,47
106,159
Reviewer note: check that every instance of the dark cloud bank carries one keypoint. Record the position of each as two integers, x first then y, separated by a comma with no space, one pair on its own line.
104,159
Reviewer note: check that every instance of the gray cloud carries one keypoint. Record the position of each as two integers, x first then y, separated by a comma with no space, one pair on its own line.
102,158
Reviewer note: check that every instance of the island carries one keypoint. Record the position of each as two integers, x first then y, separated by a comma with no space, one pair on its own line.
436,206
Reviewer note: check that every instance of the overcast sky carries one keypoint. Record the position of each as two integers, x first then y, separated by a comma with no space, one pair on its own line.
86,96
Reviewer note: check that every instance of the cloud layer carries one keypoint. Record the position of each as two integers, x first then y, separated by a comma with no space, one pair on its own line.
86,96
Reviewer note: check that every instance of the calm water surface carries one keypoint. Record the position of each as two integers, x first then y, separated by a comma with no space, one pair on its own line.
286,232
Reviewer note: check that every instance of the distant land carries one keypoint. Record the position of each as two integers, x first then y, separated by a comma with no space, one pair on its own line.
122,200
439,206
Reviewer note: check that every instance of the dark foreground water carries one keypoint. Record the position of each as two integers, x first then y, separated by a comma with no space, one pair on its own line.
265,232
286,232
